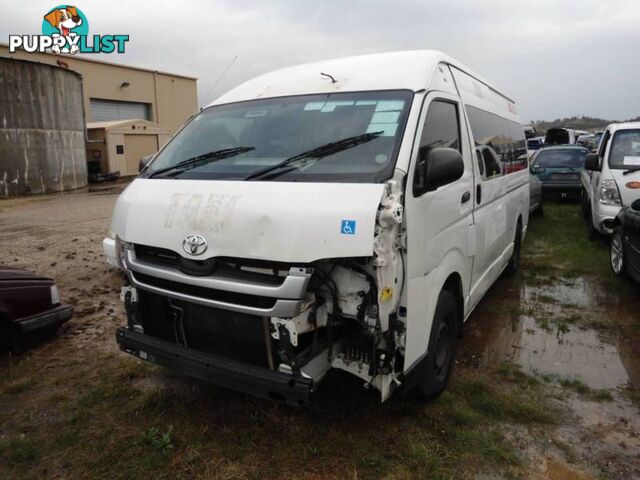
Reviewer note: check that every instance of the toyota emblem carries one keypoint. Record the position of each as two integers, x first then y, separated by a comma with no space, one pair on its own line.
194,244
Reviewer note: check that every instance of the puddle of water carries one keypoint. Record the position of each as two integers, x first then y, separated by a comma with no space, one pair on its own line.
522,323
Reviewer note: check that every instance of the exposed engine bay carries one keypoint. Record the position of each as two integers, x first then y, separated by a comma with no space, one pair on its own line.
350,315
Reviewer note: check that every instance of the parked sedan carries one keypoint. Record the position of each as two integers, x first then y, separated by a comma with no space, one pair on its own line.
625,242
30,308
559,168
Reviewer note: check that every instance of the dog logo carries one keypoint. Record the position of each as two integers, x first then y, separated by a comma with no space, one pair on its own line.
65,20
194,244
65,29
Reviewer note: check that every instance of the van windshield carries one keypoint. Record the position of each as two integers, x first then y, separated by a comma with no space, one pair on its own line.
340,137
625,149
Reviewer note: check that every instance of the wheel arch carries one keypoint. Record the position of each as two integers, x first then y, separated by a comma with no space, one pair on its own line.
453,285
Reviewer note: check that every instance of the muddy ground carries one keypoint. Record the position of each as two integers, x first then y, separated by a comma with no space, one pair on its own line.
545,386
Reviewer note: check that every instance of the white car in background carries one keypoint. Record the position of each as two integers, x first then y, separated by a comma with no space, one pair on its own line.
611,178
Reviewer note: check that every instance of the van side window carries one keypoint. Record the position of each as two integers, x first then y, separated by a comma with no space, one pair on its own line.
480,162
505,138
441,129
491,163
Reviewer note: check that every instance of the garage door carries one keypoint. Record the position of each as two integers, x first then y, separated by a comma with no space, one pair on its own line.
107,110
136,147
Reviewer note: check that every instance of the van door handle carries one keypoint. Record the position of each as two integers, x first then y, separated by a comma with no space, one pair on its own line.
478,194
465,197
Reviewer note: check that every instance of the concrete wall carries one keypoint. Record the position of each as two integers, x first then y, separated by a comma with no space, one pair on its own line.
42,129
173,98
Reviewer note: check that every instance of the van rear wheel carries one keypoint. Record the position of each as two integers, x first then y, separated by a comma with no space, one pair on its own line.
435,369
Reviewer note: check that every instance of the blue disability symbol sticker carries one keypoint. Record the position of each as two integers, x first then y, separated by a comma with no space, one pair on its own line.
348,227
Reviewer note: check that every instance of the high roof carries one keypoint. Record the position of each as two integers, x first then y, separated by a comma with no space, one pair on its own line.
411,70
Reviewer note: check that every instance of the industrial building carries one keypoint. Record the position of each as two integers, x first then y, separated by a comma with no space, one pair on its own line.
118,146
121,92
121,114
42,134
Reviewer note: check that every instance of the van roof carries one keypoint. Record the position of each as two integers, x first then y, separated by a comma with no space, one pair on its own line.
405,70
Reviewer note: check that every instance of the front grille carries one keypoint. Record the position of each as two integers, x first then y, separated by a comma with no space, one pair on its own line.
233,335
224,267
208,293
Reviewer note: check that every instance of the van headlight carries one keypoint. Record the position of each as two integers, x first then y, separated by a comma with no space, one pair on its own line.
609,194
121,251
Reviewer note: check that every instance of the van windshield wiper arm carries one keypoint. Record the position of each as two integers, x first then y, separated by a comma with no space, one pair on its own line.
630,170
208,157
315,153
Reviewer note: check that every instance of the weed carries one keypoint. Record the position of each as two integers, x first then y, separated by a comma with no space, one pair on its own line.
161,441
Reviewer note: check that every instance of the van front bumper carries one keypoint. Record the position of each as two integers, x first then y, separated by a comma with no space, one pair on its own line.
244,377
605,213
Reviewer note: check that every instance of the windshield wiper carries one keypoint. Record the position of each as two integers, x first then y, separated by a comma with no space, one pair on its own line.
627,172
208,157
315,153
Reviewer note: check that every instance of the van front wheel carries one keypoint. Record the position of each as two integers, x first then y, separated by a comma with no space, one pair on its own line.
435,369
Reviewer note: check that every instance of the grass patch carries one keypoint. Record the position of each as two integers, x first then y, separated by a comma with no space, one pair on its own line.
19,386
19,451
577,385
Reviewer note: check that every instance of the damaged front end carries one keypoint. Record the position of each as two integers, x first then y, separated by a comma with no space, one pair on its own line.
268,328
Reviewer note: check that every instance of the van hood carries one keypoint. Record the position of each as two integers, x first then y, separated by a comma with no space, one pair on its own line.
276,221
627,194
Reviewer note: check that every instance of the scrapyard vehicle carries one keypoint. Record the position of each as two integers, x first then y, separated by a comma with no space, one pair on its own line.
30,308
327,216
625,242
611,178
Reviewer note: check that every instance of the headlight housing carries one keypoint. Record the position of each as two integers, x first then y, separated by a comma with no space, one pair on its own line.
55,295
609,194
121,251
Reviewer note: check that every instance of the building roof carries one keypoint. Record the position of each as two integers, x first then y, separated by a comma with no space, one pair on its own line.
82,58
410,70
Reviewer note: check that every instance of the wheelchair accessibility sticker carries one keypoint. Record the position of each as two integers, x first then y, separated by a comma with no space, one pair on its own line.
348,227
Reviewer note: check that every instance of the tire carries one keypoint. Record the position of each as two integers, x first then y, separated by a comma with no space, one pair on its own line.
435,370
514,262
617,258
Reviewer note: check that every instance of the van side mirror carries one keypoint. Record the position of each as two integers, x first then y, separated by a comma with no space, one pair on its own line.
635,205
438,167
535,169
592,162
144,161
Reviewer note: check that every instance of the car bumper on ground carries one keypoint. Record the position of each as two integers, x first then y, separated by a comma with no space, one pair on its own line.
50,319
244,377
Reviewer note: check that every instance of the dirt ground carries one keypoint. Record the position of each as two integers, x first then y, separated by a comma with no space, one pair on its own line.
545,387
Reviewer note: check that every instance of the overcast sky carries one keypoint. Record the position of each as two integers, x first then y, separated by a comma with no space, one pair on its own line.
554,57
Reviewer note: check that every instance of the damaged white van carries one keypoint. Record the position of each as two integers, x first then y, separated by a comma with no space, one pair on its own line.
346,214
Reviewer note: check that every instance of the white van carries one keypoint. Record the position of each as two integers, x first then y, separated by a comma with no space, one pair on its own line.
611,177
346,214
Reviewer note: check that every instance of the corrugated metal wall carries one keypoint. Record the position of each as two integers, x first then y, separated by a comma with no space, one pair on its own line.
42,129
